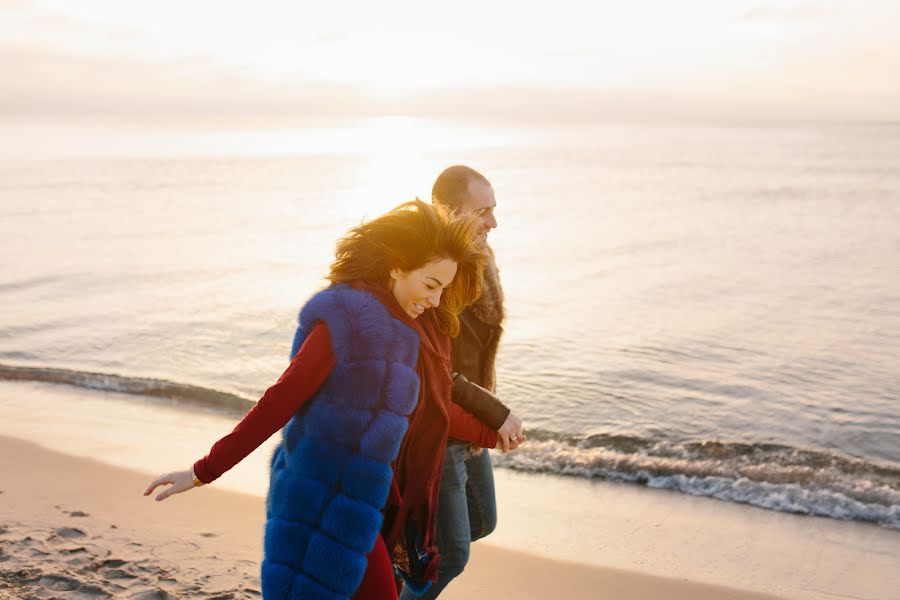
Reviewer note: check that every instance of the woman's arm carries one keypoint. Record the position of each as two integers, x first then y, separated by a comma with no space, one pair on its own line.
466,426
304,376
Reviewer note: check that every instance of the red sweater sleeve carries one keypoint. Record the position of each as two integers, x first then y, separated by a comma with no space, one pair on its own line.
466,426
304,376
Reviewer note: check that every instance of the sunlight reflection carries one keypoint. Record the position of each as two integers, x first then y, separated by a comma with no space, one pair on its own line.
395,149
403,155
367,137
180,137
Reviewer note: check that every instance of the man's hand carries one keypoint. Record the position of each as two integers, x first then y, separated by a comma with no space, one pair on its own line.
510,436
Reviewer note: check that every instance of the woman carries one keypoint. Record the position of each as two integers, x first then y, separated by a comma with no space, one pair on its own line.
365,406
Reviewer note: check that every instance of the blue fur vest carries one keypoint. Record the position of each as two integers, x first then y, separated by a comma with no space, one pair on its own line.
331,474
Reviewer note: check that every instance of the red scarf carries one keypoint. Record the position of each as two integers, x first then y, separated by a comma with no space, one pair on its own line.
417,470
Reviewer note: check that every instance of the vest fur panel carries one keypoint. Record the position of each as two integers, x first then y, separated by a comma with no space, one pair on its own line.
331,475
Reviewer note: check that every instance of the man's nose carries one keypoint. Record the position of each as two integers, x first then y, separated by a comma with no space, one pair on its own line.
491,222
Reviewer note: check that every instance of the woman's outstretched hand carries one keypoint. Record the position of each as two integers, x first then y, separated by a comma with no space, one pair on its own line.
179,481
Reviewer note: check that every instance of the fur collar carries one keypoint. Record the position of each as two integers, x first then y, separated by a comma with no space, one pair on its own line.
489,306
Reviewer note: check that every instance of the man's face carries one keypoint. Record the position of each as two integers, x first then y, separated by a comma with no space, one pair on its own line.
481,203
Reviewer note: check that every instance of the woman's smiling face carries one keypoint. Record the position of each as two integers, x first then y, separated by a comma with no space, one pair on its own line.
421,289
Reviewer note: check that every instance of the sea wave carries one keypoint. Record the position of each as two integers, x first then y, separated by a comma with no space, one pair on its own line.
190,395
771,476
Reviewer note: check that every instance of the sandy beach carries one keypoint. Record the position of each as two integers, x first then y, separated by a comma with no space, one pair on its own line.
75,525
76,528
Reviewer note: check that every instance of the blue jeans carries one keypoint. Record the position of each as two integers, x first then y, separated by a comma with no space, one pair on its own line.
467,511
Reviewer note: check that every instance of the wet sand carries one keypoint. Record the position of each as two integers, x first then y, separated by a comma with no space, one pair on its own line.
76,528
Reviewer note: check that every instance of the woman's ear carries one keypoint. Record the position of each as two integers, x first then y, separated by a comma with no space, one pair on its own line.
395,273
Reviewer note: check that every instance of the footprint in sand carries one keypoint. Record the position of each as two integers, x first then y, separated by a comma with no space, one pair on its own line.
59,583
118,574
91,591
21,576
79,562
77,565
154,595
113,562
69,532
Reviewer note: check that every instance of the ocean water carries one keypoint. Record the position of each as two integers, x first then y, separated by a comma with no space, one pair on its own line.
708,308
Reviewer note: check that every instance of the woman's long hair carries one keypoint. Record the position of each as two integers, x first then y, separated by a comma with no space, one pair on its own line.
408,237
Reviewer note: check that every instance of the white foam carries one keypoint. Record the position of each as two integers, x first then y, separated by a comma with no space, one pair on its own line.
782,487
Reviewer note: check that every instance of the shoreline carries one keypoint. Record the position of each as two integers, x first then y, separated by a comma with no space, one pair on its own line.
76,525
548,524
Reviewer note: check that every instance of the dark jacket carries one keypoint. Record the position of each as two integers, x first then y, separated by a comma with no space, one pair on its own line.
473,353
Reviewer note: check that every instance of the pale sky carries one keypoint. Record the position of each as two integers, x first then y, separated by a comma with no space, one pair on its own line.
565,59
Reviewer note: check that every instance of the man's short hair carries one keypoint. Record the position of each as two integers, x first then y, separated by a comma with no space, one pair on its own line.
451,188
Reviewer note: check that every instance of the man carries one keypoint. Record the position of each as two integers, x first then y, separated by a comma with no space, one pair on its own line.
467,508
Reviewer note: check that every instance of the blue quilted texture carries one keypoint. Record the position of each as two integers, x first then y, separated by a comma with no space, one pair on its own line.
347,519
296,498
341,425
399,353
277,461
317,458
381,441
401,390
286,542
334,565
308,589
352,384
277,580
367,480
331,475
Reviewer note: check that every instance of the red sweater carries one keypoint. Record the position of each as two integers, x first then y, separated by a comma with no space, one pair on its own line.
307,372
